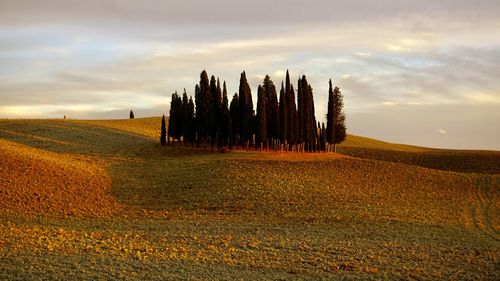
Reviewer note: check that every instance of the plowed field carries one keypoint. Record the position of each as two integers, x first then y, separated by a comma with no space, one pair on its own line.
103,200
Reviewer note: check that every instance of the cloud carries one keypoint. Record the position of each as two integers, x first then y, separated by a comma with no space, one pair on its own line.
440,131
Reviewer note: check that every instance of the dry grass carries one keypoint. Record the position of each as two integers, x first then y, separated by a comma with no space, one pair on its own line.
34,182
100,199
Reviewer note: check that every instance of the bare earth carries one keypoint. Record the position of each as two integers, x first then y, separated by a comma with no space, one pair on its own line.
103,200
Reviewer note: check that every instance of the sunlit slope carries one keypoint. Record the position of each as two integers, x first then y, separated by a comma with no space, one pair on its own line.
34,182
97,138
363,142
148,127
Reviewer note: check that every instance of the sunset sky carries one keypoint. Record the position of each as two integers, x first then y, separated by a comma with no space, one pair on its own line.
417,72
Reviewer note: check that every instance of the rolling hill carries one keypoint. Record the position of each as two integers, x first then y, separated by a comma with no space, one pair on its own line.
91,199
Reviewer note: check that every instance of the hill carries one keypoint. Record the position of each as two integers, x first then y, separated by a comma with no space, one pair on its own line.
88,199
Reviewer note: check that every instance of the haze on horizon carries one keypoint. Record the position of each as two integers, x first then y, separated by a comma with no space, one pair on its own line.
416,72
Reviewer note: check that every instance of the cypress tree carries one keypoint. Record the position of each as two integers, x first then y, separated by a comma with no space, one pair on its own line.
224,118
234,112
300,115
203,108
198,112
191,121
218,113
247,114
212,111
272,110
312,121
307,120
330,117
171,119
323,137
175,118
131,114
261,132
283,117
163,133
185,117
293,129
340,129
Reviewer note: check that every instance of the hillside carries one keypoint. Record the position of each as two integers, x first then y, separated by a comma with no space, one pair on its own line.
86,199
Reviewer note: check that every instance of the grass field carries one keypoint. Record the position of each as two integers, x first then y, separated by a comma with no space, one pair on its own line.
103,200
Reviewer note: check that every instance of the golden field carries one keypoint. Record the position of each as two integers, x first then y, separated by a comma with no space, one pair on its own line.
103,200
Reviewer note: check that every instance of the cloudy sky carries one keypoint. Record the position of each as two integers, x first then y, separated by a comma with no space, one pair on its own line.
417,72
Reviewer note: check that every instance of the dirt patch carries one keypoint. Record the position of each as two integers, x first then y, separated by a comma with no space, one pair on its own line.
35,182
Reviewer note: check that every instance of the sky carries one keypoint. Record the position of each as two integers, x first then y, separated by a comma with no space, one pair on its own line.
417,72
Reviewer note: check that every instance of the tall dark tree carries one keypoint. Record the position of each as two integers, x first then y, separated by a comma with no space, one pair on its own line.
203,104
314,131
330,117
213,110
283,117
340,129
163,133
261,132
175,118
300,114
247,114
191,120
131,114
234,112
218,113
323,137
272,110
225,118
292,114
185,117
307,120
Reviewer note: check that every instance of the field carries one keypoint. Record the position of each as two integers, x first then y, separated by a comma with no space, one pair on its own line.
103,200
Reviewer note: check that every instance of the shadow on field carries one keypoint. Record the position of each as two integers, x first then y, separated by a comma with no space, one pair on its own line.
483,162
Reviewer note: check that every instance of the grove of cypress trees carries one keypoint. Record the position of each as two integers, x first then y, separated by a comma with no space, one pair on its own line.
261,132
131,114
286,122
